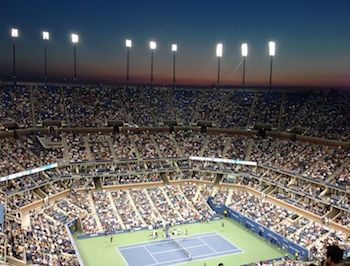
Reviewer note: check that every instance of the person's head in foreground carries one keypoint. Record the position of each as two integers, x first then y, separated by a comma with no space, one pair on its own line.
334,256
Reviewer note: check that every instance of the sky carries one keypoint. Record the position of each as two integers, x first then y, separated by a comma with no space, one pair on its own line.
312,38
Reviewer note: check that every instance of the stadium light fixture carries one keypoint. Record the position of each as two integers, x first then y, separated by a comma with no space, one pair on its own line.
128,45
219,48
244,52
14,34
75,40
272,53
174,47
244,49
46,37
152,46
272,48
174,50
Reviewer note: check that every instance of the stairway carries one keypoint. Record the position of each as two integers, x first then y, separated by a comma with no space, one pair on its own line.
229,197
204,145
89,154
170,203
115,211
94,213
198,192
248,149
65,106
218,179
226,146
97,183
176,144
153,206
32,106
133,144
139,216
251,112
282,108
187,201
156,147
65,149
110,144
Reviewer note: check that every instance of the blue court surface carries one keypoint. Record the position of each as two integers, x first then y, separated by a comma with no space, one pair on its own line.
180,250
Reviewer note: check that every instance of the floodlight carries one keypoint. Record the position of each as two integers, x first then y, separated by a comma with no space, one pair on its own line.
174,47
128,43
152,45
46,35
272,48
244,49
75,38
14,33
219,50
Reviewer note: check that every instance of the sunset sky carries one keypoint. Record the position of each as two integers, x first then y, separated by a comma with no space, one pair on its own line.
312,36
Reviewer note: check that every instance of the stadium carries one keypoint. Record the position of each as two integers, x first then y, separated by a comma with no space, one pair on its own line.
135,134
92,188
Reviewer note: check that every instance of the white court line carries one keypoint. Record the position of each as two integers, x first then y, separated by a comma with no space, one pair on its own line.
127,264
151,255
141,244
205,242
230,242
170,250
168,261
209,257
150,243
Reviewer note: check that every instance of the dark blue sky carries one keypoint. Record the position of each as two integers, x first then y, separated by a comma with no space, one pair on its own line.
313,39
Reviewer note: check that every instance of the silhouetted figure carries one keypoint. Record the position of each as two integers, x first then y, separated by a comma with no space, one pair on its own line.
334,255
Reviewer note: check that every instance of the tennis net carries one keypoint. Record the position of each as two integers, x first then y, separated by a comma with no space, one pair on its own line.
185,251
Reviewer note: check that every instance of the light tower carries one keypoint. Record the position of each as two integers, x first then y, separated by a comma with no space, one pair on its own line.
46,38
152,46
244,51
128,45
174,50
272,53
75,40
14,36
219,55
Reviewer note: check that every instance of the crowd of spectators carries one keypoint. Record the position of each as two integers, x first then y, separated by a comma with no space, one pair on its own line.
320,114
16,105
266,109
48,104
99,146
45,242
311,235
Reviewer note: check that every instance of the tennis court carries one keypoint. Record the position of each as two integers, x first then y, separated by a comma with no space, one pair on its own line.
178,250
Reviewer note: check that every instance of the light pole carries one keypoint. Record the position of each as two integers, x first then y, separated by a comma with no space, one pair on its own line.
272,53
174,50
128,45
219,55
46,38
152,46
14,35
244,51
75,40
